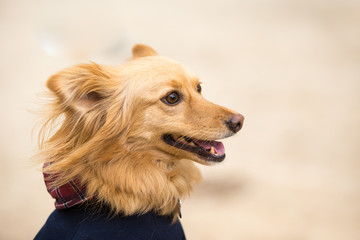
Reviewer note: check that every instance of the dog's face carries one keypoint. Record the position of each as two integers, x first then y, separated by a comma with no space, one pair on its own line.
174,117
151,100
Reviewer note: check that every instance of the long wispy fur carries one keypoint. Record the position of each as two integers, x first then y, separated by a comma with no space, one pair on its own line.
104,128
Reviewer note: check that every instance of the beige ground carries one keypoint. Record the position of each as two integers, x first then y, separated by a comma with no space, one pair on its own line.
291,67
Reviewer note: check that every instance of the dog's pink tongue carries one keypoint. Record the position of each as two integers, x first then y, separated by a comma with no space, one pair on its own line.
218,146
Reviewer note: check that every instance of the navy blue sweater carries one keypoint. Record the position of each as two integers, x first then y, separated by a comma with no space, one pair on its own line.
82,224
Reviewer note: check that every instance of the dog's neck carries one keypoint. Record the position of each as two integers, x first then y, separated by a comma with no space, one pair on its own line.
148,185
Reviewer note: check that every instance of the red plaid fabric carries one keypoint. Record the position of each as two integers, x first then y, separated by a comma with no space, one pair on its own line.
66,196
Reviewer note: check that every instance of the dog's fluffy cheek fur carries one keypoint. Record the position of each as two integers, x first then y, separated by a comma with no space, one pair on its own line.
161,119
154,124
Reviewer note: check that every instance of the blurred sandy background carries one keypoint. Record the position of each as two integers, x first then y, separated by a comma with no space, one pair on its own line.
291,67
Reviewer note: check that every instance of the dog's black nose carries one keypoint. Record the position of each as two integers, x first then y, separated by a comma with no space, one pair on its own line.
235,122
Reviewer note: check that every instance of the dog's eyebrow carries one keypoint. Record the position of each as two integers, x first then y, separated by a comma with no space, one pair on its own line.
195,79
176,83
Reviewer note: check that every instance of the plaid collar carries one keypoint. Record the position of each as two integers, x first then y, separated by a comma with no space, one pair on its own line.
67,195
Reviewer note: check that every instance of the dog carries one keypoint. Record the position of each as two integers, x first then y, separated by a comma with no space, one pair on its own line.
119,146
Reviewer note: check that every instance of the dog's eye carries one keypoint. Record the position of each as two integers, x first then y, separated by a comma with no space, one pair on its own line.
198,88
172,98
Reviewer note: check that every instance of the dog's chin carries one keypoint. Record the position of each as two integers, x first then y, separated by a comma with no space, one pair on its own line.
204,151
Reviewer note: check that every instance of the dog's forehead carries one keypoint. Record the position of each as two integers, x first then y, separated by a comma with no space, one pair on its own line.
162,71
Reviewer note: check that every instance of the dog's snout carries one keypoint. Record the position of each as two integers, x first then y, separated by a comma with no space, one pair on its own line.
235,122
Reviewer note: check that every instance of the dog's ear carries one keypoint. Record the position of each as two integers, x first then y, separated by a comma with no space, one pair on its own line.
141,50
81,87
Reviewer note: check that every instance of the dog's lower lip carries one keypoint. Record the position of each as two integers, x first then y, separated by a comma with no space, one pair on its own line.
195,148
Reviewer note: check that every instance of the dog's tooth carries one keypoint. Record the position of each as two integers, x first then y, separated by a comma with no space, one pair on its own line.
212,150
182,140
192,144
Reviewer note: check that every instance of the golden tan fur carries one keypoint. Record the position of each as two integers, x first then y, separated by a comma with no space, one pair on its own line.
111,124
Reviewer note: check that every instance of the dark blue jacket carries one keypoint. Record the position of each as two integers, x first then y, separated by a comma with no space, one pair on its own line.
82,224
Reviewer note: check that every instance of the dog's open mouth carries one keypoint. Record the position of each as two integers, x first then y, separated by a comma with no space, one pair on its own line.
208,150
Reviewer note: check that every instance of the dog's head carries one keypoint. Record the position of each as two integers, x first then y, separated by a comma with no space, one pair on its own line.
151,105
124,132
